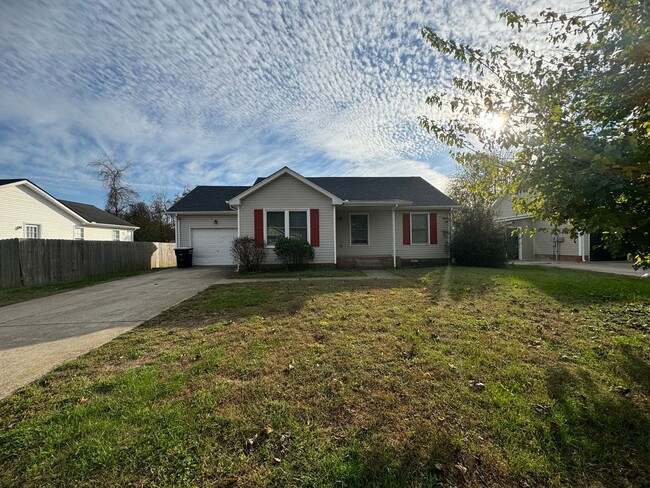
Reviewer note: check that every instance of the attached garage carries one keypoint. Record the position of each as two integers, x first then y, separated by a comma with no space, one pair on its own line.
212,246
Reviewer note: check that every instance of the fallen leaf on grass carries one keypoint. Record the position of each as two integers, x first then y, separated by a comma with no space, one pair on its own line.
258,439
476,385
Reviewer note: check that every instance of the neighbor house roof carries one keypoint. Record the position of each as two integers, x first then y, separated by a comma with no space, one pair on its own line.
6,182
83,211
207,199
94,215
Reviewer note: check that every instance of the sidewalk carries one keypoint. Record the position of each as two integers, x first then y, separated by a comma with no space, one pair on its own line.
612,267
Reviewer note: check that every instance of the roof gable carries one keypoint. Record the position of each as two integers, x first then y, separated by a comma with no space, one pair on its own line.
284,171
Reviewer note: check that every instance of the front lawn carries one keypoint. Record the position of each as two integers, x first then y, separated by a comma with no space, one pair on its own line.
301,273
465,377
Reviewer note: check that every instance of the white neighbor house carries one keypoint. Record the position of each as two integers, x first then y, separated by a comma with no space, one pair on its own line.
544,243
28,212
350,221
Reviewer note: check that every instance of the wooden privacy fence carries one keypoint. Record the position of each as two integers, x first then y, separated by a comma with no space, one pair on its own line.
25,262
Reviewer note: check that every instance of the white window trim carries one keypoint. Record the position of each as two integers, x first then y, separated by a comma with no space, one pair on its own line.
428,243
38,230
113,231
83,233
350,227
286,222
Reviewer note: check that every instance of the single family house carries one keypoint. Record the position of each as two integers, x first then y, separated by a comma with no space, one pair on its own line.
545,242
350,221
29,212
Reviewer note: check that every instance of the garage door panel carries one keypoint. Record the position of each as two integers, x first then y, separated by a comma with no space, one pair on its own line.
212,246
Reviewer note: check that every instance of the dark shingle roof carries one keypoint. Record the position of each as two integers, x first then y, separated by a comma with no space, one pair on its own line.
7,182
411,188
94,214
207,199
365,188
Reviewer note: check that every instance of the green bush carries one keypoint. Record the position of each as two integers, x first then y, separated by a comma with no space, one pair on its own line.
477,239
294,253
247,253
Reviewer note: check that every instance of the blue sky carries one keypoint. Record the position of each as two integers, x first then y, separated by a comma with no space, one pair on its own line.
220,92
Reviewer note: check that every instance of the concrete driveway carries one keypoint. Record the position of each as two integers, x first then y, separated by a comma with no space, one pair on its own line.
612,267
40,334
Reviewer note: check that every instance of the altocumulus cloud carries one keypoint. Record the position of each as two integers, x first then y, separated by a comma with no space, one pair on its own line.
209,92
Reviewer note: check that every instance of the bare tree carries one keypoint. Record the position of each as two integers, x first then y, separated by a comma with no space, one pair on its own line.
119,194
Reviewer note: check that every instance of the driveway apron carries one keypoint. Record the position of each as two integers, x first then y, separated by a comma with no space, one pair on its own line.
40,334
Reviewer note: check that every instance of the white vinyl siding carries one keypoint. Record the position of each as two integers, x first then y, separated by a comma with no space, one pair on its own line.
433,251
288,193
19,205
380,237
543,241
186,222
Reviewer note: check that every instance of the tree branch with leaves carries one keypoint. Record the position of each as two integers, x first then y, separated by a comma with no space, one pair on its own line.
578,118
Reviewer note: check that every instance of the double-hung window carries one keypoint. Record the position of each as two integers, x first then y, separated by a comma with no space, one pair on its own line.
359,229
116,235
286,223
79,233
32,231
419,228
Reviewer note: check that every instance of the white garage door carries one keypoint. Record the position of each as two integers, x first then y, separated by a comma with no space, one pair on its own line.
212,246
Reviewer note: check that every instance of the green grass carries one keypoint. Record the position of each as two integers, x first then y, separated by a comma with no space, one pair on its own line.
304,273
15,295
464,377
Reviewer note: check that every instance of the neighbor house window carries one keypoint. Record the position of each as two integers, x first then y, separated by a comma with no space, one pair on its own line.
116,235
420,228
32,231
286,223
79,233
358,229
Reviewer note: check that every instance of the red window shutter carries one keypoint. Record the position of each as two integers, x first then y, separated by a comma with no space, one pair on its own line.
433,228
314,218
406,228
258,215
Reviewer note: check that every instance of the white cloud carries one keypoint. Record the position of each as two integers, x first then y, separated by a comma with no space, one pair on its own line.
220,92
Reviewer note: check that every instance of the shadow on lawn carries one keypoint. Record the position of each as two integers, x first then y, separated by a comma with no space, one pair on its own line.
596,434
236,301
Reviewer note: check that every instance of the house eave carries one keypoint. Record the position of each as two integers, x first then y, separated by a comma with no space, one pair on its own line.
376,203
202,212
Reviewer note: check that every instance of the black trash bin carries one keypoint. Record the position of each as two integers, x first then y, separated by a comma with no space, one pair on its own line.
183,257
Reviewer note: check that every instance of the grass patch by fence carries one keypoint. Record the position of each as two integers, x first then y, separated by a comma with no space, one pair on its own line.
465,377
15,295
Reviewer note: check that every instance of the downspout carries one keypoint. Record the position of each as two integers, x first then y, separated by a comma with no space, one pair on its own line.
450,226
176,230
334,223
394,244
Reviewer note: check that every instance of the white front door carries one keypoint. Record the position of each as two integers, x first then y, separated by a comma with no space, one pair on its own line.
212,246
